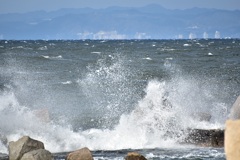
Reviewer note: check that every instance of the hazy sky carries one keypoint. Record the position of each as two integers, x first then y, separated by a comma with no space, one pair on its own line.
9,6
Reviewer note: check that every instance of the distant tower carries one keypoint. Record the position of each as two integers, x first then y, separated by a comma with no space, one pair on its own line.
217,35
205,35
192,36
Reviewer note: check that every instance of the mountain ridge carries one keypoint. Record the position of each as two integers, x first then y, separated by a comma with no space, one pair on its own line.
147,22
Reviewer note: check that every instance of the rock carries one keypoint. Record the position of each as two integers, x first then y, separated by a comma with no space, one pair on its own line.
217,139
134,156
235,110
23,145
232,140
207,138
40,154
81,154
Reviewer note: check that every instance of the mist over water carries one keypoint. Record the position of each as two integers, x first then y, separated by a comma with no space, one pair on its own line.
142,95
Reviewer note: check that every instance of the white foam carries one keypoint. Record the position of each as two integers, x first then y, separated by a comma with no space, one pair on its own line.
43,48
96,53
58,56
52,57
148,58
187,45
154,122
47,57
67,82
3,148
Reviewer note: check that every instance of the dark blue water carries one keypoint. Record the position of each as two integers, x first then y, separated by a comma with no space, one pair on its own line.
117,95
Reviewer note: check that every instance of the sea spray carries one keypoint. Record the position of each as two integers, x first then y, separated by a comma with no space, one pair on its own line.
110,88
154,122
115,100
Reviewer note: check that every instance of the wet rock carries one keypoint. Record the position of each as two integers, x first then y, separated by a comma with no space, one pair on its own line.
235,110
134,156
81,154
40,154
207,138
232,140
23,145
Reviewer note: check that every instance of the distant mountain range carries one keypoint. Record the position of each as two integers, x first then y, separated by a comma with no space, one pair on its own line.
149,22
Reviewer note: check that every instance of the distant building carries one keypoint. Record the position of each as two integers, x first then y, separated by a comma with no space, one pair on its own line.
192,36
141,36
217,35
108,35
205,35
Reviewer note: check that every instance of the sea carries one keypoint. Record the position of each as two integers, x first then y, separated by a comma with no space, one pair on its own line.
117,96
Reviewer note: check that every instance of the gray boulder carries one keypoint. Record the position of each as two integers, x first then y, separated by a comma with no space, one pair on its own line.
23,145
40,154
81,154
134,156
204,137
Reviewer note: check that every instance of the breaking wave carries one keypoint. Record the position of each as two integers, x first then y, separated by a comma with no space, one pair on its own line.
155,118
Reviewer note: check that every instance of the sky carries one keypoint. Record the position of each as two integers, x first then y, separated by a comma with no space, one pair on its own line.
21,6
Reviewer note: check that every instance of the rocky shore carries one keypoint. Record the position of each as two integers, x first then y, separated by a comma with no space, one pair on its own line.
206,138
27,148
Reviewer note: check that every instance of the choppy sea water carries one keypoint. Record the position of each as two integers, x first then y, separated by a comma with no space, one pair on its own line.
117,96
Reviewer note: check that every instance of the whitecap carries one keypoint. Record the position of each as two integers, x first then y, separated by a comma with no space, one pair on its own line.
186,45
166,49
96,53
52,44
151,155
210,54
148,58
58,57
67,82
47,57
43,48
19,47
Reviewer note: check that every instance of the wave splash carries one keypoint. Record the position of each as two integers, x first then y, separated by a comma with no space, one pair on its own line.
157,119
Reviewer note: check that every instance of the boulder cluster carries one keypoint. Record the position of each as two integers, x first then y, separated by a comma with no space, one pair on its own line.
27,148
